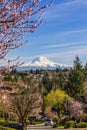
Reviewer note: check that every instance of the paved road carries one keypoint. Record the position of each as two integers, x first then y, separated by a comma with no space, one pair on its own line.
42,127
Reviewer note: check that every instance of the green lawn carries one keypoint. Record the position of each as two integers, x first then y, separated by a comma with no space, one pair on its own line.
2,121
6,128
60,127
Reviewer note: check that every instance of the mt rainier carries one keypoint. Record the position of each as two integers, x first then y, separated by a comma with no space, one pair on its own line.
42,63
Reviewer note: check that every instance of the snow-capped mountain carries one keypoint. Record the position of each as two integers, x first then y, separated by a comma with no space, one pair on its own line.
42,63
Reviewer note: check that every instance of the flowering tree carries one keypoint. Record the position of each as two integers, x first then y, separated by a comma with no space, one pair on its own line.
74,109
23,103
18,17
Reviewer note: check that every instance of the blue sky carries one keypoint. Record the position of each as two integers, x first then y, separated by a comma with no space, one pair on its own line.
61,36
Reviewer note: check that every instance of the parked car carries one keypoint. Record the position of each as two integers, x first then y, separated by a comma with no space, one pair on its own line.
48,122
43,118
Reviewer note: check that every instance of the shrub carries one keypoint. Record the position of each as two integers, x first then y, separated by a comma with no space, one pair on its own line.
13,125
2,120
70,124
81,125
55,125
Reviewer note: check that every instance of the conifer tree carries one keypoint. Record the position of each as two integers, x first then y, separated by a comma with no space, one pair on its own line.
76,79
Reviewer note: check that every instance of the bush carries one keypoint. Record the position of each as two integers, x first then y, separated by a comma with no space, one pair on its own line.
55,125
81,125
70,124
13,125
2,120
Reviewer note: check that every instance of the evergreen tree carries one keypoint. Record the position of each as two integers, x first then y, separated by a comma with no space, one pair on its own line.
76,80
61,80
47,82
85,72
86,67
77,63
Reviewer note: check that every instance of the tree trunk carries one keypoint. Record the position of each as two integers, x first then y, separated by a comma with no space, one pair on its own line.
24,126
59,117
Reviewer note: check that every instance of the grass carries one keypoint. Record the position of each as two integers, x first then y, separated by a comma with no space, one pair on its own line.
6,128
60,127
2,121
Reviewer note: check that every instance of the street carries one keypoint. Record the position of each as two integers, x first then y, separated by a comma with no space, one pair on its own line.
40,127
43,127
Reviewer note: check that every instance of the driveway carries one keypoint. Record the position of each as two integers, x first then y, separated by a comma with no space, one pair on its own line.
43,127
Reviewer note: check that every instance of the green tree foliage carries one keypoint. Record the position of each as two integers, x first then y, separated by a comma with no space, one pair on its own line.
85,72
76,80
47,82
77,63
8,77
85,66
55,100
61,80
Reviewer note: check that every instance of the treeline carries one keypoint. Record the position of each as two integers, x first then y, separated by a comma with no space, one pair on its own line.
59,94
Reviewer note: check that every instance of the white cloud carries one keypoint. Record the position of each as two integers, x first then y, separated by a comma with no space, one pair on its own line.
67,57
70,44
65,9
73,3
72,32
57,35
